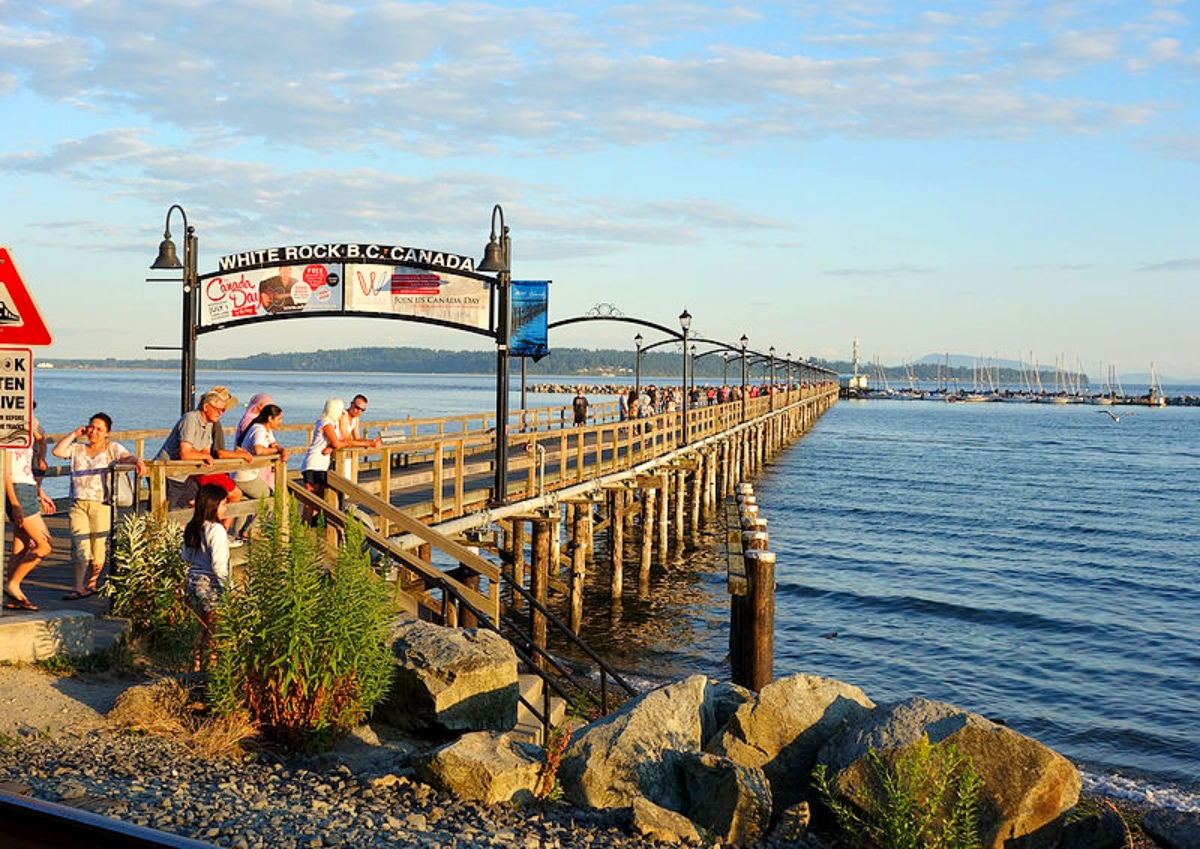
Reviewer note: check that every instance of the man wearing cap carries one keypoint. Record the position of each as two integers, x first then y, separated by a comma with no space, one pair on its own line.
192,439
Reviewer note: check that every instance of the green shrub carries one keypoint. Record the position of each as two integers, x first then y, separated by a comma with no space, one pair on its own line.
919,797
147,586
300,646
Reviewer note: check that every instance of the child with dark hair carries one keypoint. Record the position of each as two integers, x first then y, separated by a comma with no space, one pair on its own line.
206,549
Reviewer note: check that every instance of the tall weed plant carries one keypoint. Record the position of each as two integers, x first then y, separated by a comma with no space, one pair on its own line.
919,797
300,645
147,586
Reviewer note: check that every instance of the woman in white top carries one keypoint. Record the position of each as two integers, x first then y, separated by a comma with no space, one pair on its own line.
326,438
206,550
91,501
259,439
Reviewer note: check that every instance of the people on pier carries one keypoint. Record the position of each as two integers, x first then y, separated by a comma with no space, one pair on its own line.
259,440
579,408
253,407
325,439
206,550
90,519
25,505
192,439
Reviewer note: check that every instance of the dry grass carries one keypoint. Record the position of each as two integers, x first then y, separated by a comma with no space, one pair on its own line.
168,708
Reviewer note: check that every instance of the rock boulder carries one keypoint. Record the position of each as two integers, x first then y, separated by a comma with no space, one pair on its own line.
784,728
1027,787
454,679
485,767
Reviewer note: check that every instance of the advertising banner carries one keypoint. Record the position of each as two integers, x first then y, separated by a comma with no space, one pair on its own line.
270,292
530,300
423,293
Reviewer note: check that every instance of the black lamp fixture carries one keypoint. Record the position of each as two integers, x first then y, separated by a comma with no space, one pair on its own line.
497,259
168,260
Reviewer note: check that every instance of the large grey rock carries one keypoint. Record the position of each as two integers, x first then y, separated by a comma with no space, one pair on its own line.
456,679
656,822
635,750
1027,787
1102,830
727,800
484,766
1174,829
784,728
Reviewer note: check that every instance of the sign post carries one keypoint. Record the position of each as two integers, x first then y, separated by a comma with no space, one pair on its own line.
20,324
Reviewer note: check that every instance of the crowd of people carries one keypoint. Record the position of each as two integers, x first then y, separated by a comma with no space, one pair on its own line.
98,463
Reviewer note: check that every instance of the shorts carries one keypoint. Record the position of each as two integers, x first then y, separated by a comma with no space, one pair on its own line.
203,593
181,494
224,481
316,477
27,498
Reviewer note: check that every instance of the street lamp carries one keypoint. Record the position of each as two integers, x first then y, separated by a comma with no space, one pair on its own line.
685,322
771,385
744,342
693,383
789,377
497,258
167,260
725,374
637,374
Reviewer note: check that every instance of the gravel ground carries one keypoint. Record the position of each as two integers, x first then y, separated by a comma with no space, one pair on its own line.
56,742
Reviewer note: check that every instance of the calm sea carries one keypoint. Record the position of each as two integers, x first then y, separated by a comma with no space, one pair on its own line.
1034,563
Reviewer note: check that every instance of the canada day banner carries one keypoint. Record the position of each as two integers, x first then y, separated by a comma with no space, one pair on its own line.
352,279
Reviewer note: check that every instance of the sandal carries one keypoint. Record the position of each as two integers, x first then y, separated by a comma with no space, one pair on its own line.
75,595
11,602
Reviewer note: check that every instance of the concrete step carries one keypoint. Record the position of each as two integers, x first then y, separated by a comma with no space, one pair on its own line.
529,727
37,635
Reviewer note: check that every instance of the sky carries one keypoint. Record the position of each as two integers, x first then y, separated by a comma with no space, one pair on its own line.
1004,179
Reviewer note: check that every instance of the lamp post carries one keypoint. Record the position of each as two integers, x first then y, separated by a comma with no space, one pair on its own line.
725,373
637,373
693,381
744,342
497,257
788,372
771,385
168,260
685,322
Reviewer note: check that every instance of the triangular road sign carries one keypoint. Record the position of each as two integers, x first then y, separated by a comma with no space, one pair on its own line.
20,321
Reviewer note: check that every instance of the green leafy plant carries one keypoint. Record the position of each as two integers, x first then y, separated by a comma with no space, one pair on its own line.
300,646
548,788
147,586
919,797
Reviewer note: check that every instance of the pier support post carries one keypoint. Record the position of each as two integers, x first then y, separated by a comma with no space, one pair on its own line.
616,541
648,511
578,566
662,525
539,581
680,495
760,610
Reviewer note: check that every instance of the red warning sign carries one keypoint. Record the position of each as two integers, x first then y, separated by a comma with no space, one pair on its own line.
20,321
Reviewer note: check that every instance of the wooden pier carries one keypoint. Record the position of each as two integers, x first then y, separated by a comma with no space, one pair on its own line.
459,555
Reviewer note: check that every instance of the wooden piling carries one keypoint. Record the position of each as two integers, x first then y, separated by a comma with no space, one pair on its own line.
578,567
540,579
663,526
680,502
648,502
759,654
616,542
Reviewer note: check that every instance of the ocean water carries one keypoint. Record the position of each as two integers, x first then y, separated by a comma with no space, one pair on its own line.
1034,563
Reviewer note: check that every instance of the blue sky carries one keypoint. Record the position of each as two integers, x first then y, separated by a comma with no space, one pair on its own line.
985,178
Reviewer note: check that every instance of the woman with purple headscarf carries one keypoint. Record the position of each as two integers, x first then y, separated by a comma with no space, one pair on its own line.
253,408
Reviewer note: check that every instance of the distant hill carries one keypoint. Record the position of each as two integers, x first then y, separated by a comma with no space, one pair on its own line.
660,364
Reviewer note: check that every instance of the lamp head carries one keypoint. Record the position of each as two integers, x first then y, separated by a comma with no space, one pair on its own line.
637,340
493,257
745,341
167,257
685,320
771,351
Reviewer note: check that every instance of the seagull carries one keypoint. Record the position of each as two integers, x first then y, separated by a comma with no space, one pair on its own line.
1114,416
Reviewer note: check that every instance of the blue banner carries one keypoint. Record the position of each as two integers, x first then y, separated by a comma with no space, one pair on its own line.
530,300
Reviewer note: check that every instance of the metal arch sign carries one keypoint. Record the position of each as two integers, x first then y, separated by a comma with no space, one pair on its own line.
20,321
363,279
